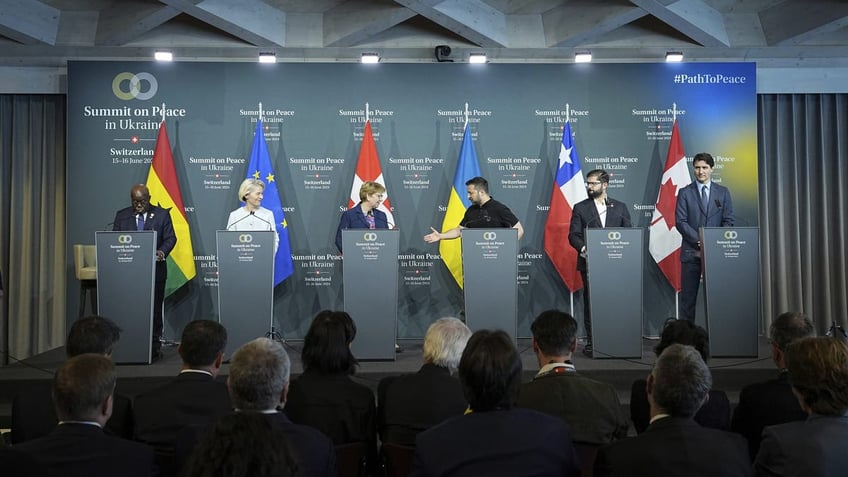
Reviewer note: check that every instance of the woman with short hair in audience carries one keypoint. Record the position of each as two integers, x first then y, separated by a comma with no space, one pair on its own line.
324,396
715,413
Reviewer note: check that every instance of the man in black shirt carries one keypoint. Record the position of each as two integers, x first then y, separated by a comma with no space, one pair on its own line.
484,212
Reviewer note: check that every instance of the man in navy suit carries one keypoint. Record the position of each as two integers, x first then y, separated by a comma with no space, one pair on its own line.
702,203
597,211
141,215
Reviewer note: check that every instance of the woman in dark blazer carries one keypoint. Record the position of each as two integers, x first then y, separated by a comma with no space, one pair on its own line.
365,214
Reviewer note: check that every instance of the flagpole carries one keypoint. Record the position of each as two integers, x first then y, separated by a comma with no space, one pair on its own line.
466,114
567,113
163,111
367,112
676,293
260,110
567,118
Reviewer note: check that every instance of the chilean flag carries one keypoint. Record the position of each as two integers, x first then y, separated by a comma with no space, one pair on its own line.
664,238
568,190
368,169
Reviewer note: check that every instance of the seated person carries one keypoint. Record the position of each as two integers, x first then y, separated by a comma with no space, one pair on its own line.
715,412
412,403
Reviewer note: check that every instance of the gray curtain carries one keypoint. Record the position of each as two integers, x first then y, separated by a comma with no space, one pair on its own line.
803,147
32,223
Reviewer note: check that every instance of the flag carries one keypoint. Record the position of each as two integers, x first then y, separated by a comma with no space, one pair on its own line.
368,169
466,168
569,189
259,167
165,189
664,238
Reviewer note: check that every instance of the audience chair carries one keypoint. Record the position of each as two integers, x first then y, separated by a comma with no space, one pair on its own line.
586,454
350,460
397,459
85,268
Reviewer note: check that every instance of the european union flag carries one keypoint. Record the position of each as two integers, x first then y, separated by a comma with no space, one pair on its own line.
259,167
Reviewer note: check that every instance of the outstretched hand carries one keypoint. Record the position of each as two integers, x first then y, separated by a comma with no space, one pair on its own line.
434,236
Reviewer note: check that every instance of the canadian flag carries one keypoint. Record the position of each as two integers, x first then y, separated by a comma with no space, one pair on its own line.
368,169
664,238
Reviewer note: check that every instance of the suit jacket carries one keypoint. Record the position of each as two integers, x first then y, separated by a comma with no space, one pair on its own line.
342,409
811,448
413,403
690,215
190,399
354,218
591,408
515,442
585,215
715,413
158,219
765,404
82,450
16,463
34,416
675,446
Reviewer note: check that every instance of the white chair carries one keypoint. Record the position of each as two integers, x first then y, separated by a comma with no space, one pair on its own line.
85,269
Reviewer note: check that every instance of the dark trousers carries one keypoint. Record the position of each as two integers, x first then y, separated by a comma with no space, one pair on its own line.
587,310
690,282
158,302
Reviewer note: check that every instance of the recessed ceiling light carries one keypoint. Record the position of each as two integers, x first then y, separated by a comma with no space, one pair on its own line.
477,58
267,57
163,55
583,57
674,57
370,58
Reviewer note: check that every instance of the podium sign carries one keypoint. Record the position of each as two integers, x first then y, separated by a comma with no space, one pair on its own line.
245,285
126,272
489,268
370,280
615,263
731,264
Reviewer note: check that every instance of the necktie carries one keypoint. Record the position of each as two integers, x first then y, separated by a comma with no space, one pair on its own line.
140,222
704,201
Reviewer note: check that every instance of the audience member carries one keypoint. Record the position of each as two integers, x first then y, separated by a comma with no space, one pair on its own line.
411,403
818,372
194,397
591,408
245,444
673,443
715,412
494,437
32,410
324,396
82,394
772,402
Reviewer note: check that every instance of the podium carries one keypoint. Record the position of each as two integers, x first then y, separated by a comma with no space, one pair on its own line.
489,268
731,264
245,285
615,263
370,280
126,272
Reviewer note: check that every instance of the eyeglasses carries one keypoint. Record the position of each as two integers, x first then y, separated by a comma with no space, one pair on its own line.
593,184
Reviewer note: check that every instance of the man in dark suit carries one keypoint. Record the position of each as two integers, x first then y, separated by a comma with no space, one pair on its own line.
598,211
78,447
674,444
494,438
818,371
195,397
412,403
33,414
703,203
591,408
772,402
141,215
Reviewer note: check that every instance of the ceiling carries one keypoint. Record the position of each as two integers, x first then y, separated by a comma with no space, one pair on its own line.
778,33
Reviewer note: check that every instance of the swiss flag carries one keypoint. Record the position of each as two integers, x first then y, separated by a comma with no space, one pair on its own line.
664,238
368,169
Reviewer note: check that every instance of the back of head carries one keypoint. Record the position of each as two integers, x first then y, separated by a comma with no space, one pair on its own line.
92,334
81,385
684,332
326,347
444,342
201,342
490,371
259,371
555,332
818,370
789,327
243,444
681,381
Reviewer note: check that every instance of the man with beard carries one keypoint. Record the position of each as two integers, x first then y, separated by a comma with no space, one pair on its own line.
598,211
141,215
702,203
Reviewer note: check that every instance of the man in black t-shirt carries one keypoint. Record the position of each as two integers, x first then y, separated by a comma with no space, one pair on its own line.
484,212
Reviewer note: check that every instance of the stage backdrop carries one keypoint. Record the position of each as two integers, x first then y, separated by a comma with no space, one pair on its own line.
621,116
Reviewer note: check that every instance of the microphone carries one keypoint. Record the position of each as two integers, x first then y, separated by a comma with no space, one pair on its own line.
484,218
251,214
109,226
270,227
